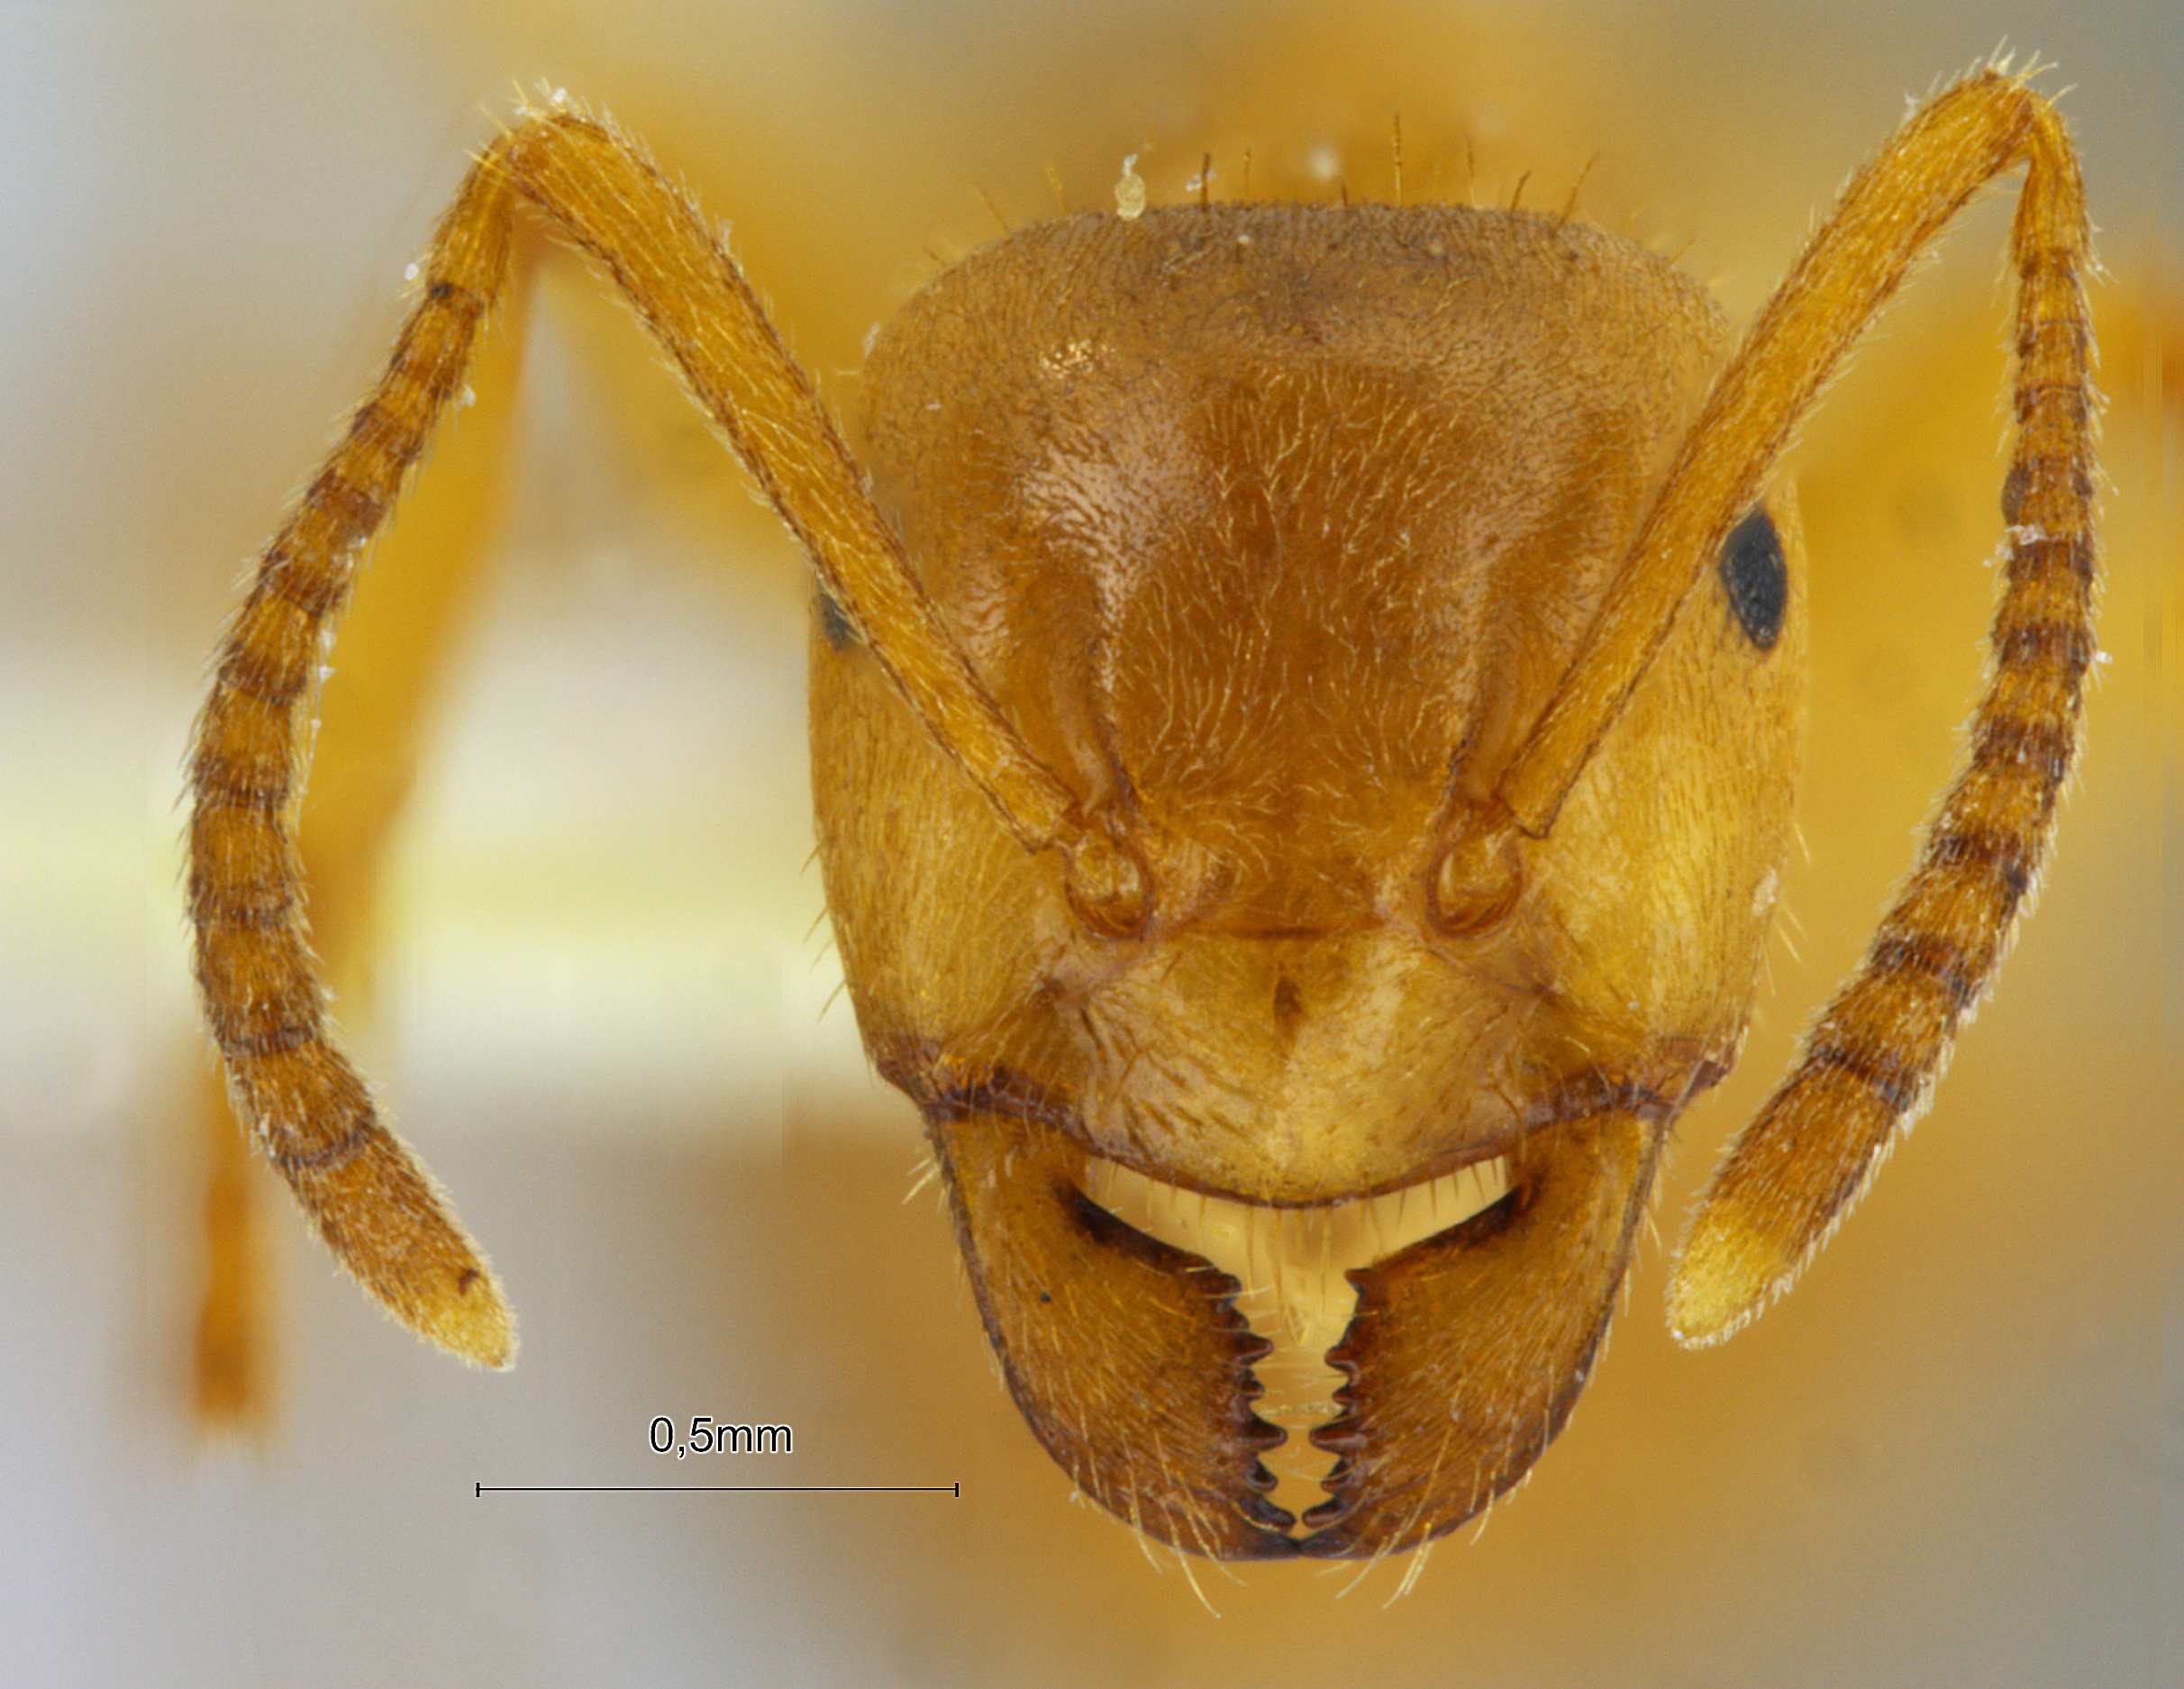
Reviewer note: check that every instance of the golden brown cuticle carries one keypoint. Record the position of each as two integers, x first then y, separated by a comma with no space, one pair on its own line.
1304,702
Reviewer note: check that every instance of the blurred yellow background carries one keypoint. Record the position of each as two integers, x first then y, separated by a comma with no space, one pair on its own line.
1952,1457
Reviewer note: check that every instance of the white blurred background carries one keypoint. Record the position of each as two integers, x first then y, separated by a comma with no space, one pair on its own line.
1954,1457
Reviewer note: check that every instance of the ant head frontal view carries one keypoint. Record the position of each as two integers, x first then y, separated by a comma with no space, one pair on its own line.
1305,701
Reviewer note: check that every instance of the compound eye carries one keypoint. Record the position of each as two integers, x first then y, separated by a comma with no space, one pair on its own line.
1756,577
1475,884
1109,889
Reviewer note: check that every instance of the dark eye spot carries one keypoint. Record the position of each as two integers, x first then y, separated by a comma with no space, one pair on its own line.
833,624
1756,578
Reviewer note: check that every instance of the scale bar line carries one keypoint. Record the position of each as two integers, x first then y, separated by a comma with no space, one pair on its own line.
718,1489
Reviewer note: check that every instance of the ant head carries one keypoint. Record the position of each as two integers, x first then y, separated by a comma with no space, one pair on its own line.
1273,528
1270,737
